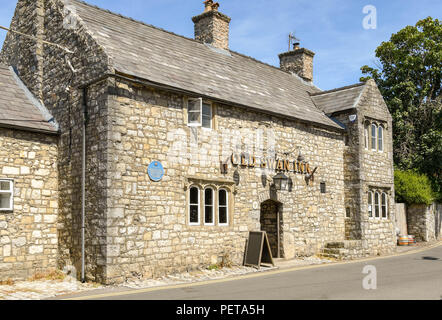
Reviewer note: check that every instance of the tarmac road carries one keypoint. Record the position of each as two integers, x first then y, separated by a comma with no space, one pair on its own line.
409,276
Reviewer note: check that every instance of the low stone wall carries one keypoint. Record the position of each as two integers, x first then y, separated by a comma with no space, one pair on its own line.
28,233
424,222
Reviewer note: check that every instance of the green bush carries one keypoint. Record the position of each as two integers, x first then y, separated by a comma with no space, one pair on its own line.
412,188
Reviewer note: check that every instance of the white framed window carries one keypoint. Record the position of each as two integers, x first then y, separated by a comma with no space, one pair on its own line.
6,195
380,139
194,112
377,205
370,204
207,115
348,212
374,129
384,206
194,206
209,204
223,207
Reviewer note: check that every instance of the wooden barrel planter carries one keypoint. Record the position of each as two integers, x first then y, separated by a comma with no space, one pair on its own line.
403,241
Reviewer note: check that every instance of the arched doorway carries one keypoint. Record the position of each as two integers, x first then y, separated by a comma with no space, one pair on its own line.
271,223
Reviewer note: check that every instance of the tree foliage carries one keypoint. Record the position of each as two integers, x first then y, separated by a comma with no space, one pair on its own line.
409,78
412,188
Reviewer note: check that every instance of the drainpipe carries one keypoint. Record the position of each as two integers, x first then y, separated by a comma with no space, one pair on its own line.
83,184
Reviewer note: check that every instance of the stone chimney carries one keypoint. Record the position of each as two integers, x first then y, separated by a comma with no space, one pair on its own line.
298,61
212,27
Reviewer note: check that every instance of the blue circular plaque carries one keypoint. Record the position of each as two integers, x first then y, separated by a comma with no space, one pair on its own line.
155,171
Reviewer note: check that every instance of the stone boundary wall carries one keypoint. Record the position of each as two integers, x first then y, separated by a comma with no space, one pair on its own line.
401,218
28,234
424,222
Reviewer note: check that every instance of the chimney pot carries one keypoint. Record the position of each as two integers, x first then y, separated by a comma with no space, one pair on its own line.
208,5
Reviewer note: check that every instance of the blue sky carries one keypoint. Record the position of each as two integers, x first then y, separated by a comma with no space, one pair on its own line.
259,28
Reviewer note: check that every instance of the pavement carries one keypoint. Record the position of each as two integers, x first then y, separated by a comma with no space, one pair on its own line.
414,273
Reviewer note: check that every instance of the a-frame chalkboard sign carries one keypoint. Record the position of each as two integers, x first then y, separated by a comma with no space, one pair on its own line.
258,250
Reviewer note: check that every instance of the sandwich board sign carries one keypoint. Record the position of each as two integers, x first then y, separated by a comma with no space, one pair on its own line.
258,250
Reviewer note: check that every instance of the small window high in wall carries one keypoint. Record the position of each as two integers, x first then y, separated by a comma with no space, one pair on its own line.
199,113
6,195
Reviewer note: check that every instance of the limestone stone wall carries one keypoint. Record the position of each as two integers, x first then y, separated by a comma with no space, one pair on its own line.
368,170
148,230
28,233
424,222
377,172
58,87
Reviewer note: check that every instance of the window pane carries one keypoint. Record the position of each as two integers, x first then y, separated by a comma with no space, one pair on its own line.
208,206
208,197
207,110
222,198
222,215
194,117
381,139
373,137
194,214
5,185
5,201
207,116
194,112
384,205
376,201
194,106
208,214
194,195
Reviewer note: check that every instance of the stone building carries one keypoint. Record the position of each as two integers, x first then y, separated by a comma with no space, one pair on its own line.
245,146
28,181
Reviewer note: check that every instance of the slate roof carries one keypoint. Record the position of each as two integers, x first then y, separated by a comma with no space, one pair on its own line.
153,54
338,99
19,108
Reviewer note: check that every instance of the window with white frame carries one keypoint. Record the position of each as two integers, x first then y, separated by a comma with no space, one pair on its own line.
370,204
209,199
194,206
380,139
6,195
384,205
194,111
374,129
223,207
199,113
376,205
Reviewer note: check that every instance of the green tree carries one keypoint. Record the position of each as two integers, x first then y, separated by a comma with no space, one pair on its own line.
409,78
412,188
